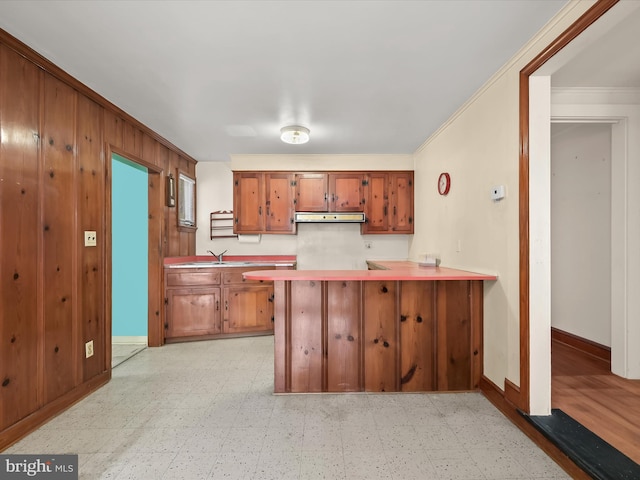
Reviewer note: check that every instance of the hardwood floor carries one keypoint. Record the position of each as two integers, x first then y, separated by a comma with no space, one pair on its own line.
584,388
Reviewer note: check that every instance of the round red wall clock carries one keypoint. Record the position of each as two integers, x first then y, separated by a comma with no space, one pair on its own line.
444,183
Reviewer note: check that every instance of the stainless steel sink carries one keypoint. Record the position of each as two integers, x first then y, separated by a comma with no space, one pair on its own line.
209,264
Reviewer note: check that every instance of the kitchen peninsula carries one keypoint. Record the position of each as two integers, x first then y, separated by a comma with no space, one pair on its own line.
395,327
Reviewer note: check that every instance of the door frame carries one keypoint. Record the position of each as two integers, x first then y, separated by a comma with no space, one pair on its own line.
521,396
155,310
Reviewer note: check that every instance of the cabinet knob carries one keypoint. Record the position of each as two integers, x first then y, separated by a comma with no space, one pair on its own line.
217,305
226,304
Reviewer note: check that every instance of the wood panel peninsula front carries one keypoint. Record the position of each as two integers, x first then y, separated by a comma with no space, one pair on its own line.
397,327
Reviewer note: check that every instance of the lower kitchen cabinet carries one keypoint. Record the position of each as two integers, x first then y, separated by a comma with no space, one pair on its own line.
248,309
193,312
211,302
248,304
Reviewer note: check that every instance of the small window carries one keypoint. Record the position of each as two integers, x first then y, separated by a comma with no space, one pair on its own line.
186,201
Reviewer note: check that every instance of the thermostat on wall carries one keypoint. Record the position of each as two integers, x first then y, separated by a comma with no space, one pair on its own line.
497,193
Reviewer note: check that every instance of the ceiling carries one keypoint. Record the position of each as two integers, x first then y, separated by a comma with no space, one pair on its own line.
218,78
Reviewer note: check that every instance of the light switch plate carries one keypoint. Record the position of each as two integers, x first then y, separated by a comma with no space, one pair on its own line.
90,239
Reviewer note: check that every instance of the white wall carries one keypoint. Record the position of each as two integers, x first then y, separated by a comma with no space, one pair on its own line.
479,147
581,230
318,246
621,106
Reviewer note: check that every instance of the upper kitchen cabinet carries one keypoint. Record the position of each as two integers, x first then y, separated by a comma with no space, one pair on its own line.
330,192
263,202
389,202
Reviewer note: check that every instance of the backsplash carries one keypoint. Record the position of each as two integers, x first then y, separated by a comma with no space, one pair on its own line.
331,246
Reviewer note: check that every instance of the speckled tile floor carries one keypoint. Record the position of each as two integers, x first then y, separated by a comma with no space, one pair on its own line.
121,352
204,410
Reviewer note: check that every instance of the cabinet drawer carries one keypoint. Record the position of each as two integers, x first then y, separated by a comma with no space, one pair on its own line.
193,277
231,277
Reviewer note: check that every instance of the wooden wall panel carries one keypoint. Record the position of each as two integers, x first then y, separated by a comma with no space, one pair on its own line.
113,129
417,336
19,234
60,239
381,336
132,140
173,237
91,216
54,292
155,334
306,342
454,335
344,334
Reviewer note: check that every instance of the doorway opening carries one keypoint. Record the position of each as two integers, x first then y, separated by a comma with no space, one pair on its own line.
150,265
129,259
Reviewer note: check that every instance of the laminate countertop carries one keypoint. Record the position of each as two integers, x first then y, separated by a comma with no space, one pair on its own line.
382,270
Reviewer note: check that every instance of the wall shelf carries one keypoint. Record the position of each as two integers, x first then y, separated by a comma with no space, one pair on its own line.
221,224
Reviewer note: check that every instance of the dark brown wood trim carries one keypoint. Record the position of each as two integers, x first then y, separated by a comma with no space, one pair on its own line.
155,330
511,392
493,393
27,52
20,429
584,345
581,24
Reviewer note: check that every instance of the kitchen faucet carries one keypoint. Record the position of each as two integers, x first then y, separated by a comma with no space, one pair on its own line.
217,255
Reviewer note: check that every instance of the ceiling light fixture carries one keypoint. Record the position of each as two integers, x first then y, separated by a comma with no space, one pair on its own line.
294,134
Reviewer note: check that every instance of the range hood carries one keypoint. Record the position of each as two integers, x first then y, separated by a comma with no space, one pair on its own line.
329,217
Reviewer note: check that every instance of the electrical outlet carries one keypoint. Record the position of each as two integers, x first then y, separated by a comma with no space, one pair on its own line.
367,244
90,238
88,349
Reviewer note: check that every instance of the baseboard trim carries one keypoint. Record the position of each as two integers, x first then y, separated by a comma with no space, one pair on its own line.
142,340
584,345
496,396
512,393
23,427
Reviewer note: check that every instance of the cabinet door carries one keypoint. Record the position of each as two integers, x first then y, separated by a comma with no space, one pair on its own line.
377,203
248,309
346,192
192,312
248,197
312,192
280,193
401,202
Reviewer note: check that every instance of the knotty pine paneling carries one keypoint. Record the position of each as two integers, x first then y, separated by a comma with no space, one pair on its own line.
173,236
344,334
113,130
417,336
307,312
60,239
454,363
54,292
20,327
91,216
380,336
132,140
